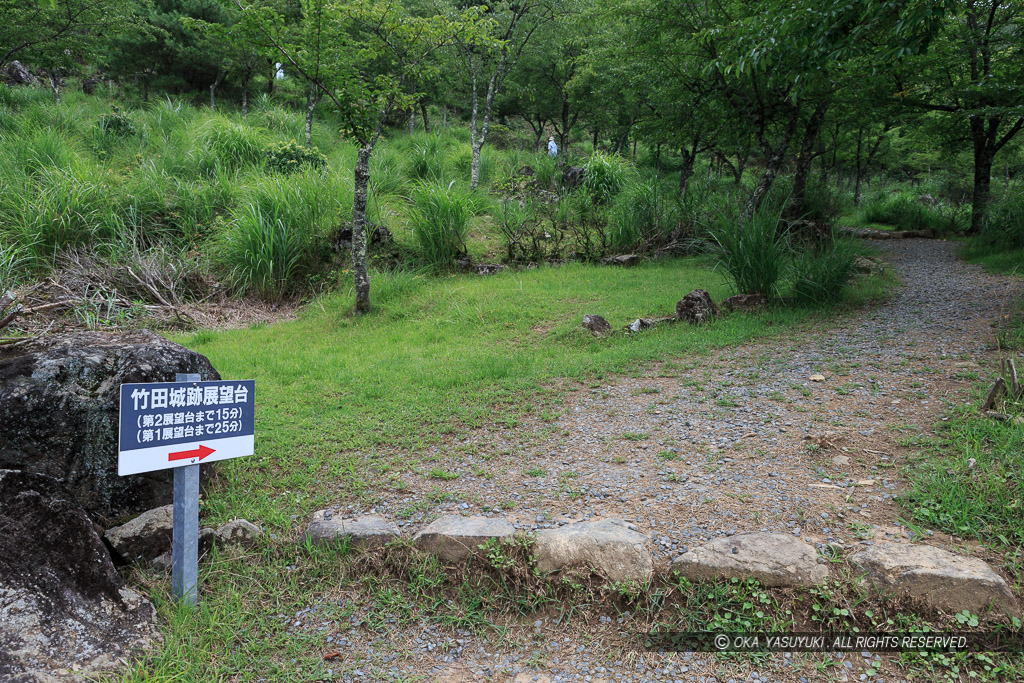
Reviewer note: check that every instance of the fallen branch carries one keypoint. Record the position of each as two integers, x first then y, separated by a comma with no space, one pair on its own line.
1010,374
5,301
997,391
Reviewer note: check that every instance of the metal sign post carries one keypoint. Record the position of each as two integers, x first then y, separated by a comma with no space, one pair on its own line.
185,527
176,425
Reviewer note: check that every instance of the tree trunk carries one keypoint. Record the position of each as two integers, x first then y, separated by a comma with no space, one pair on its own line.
474,170
412,120
362,183
805,158
773,164
245,96
983,156
56,80
858,168
426,120
686,170
565,129
213,88
313,97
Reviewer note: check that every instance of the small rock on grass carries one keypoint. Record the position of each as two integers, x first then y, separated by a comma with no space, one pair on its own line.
454,538
697,308
597,325
771,559
641,324
744,302
364,532
942,580
626,260
144,537
238,532
609,547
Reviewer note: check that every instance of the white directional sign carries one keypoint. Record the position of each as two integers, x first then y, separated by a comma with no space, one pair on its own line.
173,424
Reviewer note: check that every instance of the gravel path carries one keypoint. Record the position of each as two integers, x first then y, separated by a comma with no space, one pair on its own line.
799,434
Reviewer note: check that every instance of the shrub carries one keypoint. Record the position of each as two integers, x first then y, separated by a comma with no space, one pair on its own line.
425,161
223,143
822,276
500,137
822,203
752,249
386,172
262,253
643,212
280,236
60,210
440,219
14,262
546,169
289,157
1004,224
116,124
603,176
906,211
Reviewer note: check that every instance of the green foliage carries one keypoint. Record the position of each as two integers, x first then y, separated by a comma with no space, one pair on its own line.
906,211
546,169
290,157
440,217
1004,225
604,175
262,253
967,478
752,249
822,275
643,212
116,124
279,237
15,261
221,143
822,203
425,161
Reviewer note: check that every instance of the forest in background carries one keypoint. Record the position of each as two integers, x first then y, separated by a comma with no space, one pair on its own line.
162,153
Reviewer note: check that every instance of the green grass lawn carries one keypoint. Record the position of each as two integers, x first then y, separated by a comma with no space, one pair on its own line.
994,259
438,355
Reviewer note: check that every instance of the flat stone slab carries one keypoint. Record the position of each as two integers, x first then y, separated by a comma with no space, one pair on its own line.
454,538
771,559
938,578
364,532
609,547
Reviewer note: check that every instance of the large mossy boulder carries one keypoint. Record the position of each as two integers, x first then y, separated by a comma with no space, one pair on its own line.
59,402
65,612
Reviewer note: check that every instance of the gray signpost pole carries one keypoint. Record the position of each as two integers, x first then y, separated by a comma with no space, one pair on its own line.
185,532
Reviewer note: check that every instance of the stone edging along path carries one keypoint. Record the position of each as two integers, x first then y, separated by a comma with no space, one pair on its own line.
939,580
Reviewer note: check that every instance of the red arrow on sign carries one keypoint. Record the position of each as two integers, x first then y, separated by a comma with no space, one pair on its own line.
200,453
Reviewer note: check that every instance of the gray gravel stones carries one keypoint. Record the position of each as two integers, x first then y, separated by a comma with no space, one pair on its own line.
940,579
772,559
454,538
609,547
368,531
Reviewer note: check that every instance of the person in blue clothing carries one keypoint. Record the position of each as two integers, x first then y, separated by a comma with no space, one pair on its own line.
552,147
